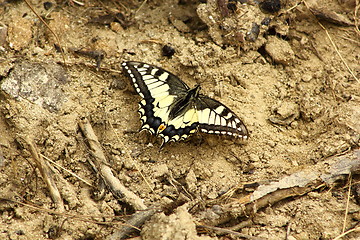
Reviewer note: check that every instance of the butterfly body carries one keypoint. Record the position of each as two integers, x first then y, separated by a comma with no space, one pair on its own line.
173,111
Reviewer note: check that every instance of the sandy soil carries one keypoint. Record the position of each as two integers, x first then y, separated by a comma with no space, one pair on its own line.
282,75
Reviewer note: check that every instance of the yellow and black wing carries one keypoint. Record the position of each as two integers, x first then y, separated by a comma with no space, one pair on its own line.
214,117
173,111
160,90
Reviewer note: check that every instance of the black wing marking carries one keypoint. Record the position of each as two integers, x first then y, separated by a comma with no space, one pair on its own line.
214,117
143,75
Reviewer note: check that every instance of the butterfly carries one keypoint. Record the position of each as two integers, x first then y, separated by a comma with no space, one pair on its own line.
173,111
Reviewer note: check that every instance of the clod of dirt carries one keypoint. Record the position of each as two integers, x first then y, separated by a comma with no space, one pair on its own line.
279,50
240,28
311,107
38,83
191,181
160,170
178,226
116,27
48,5
179,25
168,51
285,113
20,33
271,219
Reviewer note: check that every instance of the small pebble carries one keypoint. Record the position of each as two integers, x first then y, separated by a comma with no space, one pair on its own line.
168,51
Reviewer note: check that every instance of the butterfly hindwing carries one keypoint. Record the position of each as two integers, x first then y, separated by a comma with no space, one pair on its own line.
216,118
173,111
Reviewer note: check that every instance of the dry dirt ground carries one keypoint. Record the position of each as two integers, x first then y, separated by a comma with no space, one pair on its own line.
293,79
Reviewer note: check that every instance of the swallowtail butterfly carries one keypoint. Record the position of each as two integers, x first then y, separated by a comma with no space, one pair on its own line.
173,111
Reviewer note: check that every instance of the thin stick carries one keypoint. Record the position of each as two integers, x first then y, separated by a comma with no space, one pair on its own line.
241,225
347,205
351,40
59,166
55,35
293,7
116,187
230,232
136,221
288,231
46,174
346,233
297,184
73,216
338,53
142,4
79,3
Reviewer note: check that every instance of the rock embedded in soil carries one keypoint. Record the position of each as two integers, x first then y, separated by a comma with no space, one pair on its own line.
178,226
279,50
39,83
285,113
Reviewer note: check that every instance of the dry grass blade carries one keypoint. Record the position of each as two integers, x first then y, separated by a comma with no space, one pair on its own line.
85,218
347,204
346,233
338,53
334,45
142,4
68,171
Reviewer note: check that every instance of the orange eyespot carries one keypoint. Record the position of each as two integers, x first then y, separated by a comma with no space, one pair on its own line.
161,128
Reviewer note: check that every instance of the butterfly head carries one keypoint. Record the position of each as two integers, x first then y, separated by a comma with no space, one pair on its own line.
195,91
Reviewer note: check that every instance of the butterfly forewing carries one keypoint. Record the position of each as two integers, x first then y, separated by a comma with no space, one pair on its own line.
160,90
173,111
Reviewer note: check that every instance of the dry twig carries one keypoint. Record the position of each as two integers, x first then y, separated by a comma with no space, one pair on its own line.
347,204
116,187
47,176
322,174
227,231
127,152
138,219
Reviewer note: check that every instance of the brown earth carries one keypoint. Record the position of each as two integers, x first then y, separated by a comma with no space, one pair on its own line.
295,85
